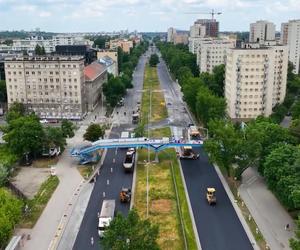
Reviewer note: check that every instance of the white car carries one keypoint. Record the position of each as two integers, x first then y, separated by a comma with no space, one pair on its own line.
44,121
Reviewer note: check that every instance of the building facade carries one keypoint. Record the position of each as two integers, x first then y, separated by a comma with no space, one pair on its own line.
255,80
29,44
50,86
171,33
124,44
212,52
211,26
290,36
95,76
262,31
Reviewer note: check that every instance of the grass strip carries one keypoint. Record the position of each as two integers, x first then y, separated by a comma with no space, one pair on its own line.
39,202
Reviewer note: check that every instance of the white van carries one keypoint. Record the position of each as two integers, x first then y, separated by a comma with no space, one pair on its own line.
106,215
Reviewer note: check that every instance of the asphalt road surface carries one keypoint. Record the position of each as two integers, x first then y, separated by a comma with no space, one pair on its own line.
218,226
112,176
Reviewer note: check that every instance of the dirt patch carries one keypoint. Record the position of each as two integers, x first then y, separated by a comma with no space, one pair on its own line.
161,206
29,179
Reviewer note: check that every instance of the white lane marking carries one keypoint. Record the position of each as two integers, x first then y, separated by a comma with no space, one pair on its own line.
107,182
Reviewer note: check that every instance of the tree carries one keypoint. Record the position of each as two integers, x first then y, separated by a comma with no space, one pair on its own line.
154,60
209,106
218,80
94,132
25,135
100,41
113,90
184,74
295,242
54,137
282,174
67,128
10,214
130,233
3,93
279,112
139,131
265,135
15,111
39,50
190,86
296,110
223,145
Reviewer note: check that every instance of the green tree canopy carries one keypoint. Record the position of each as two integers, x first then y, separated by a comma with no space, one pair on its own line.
154,60
94,132
67,128
130,233
224,143
15,111
25,135
54,137
10,214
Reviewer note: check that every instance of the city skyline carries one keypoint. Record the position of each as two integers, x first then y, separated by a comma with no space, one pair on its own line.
141,15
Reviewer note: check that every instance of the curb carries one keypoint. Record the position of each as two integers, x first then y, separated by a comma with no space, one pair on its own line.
190,207
237,209
133,181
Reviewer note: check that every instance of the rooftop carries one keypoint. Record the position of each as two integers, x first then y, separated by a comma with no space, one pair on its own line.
94,70
44,58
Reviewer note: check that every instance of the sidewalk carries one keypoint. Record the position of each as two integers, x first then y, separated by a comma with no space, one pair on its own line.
60,206
266,210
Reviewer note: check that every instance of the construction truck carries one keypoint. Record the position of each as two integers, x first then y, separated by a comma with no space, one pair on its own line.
187,152
129,160
125,195
193,133
211,196
135,118
106,215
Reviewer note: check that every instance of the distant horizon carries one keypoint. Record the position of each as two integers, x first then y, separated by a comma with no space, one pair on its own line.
81,15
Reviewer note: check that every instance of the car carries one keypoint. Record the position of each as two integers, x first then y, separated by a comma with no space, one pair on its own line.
44,121
169,104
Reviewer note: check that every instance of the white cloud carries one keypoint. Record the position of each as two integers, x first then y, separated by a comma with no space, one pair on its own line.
45,14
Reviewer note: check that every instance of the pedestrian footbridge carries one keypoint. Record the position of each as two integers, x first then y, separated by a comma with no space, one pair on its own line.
86,153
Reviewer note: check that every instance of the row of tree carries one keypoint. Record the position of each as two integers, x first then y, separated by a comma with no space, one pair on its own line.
235,147
115,88
203,93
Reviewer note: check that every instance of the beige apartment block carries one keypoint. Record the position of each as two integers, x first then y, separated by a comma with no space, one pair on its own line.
290,36
262,31
50,86
255,80
212,52
125,44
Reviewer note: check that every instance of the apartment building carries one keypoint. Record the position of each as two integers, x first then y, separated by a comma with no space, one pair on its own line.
124,44
212,52
181,38
255,80
50,86
211,27
29,44
197,32
95,76
262,31
171,33
290,36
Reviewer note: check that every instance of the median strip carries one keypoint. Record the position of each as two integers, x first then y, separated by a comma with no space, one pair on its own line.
167,204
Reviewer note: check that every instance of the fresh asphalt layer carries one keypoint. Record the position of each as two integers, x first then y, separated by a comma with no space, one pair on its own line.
218,226
110,181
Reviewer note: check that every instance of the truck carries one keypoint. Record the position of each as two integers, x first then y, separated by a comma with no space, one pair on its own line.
129,160
187,152
106,215
135,118
193,133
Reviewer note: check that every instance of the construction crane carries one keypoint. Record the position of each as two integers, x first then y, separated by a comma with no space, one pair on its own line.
212,13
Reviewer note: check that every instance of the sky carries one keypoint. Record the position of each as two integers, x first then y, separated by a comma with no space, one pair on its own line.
141,15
